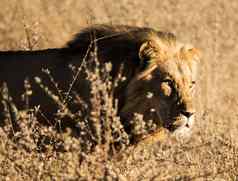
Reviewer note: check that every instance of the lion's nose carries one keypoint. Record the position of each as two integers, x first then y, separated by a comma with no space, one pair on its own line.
187,114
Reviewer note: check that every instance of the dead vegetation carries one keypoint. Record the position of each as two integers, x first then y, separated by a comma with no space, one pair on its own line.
32,151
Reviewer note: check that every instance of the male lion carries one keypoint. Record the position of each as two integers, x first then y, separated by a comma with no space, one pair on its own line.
160,73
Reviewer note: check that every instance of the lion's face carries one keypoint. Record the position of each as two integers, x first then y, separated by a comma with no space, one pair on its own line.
163,91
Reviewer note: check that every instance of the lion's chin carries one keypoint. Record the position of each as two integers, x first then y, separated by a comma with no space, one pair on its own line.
183,130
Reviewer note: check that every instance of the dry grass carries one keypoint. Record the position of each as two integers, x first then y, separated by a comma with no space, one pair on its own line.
31,151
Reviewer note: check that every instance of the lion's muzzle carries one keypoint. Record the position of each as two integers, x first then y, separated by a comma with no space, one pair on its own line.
182,126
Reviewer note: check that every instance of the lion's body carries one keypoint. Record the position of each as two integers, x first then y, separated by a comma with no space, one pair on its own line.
148,59
21,65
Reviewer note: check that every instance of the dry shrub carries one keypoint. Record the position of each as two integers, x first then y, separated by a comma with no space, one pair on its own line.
31,151
95,145
95,134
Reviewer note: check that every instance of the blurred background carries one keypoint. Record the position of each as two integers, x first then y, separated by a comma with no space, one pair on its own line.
211,26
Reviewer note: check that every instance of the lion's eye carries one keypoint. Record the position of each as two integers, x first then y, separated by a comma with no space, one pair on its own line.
166,88
193,83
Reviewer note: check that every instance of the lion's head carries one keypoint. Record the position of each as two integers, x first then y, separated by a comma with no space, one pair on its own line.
163,88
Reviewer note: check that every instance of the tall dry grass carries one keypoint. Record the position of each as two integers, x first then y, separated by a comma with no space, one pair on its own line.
32,151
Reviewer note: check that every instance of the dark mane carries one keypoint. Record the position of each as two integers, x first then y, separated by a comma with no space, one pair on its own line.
103,34
118,44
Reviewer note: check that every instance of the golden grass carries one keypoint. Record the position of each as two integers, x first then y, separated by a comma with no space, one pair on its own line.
31,151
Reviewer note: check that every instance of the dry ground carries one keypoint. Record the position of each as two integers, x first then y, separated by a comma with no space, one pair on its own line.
210,25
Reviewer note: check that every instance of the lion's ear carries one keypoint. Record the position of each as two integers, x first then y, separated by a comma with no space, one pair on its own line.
190,54
149,51
195,53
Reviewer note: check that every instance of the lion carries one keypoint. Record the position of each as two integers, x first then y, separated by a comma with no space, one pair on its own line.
159,71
